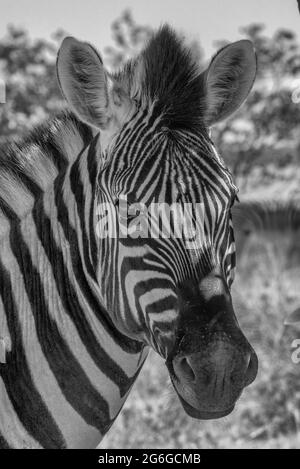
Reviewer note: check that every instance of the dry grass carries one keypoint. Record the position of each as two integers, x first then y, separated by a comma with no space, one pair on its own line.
266,290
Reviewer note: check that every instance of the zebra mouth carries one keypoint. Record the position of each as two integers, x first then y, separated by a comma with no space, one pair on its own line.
203,414
192,411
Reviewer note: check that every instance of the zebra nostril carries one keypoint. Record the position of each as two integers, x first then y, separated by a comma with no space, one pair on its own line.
185,370
252,369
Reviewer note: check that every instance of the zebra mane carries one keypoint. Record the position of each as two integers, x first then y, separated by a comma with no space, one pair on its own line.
168,75
28,166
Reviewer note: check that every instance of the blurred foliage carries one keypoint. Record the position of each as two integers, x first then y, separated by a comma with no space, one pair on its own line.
269,119
27,66
28,69
128,38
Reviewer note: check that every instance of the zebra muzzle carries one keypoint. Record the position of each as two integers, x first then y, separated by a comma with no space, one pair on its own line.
210,381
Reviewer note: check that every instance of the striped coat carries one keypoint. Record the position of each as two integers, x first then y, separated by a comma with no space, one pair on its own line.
67,369
79,310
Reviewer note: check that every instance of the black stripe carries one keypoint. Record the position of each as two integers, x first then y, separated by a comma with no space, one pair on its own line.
71,378
76,185
131,126
15,373
3,443
71,304
127,148
30,185
143,169
127,344
49,148
45,138
7,211
85,131
92,166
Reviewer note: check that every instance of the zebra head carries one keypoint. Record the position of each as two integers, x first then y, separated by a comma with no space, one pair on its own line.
166,287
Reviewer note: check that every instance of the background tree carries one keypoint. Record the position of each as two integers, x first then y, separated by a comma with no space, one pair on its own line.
27,68
128,37
269,120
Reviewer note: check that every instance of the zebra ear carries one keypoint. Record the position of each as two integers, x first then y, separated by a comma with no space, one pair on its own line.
228,80
84,82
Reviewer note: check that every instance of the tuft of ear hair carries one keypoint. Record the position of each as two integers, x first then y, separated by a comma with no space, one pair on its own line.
228,80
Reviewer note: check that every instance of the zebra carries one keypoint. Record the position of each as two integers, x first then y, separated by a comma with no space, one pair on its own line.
79,311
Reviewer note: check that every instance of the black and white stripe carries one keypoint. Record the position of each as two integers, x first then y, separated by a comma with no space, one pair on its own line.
68,369
78,311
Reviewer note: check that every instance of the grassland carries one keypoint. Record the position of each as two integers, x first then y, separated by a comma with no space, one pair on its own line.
266,290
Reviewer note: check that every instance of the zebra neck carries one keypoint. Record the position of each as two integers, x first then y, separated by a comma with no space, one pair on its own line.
66,370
